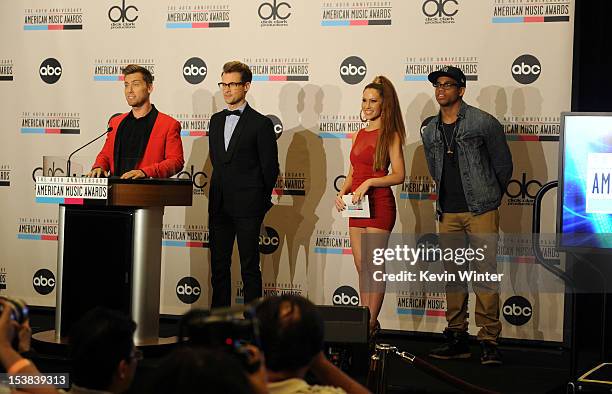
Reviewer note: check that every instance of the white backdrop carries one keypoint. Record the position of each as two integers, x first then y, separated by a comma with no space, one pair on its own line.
311,60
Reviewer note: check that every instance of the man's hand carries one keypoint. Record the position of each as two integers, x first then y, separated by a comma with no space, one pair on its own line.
97,173
8,327
134,174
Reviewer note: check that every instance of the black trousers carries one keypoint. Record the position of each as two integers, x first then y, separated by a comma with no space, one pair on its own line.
223,229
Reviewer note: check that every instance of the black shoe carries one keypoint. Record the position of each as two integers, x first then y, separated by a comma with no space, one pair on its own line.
490,354
456,346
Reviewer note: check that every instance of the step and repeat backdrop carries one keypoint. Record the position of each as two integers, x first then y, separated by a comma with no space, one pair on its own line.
60,81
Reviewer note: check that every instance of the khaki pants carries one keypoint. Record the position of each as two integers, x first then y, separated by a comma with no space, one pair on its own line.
456,231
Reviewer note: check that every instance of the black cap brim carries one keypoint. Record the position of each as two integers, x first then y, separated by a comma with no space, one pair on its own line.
433,77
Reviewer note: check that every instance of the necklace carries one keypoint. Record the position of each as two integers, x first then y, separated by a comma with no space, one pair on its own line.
449,145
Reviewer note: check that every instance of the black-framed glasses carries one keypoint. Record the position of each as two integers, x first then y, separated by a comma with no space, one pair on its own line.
231,85
445,85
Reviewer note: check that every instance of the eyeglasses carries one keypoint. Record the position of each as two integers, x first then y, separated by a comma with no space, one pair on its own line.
445,85
231,85
137,355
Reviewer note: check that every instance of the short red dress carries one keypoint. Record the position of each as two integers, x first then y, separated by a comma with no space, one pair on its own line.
382,200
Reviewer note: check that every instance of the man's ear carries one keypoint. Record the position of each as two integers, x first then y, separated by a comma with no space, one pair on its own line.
123,369
461,91
247,86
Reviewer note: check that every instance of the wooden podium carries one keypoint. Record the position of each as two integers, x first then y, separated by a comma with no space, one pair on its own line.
109,254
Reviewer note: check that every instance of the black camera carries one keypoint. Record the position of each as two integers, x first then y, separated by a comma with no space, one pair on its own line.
227,330
19,309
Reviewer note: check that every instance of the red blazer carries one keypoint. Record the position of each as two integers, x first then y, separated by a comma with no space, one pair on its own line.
163,156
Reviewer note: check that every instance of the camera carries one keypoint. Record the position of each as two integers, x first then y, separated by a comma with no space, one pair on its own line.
19,308
227,329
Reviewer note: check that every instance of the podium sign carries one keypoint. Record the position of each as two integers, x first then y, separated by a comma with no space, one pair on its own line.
68,190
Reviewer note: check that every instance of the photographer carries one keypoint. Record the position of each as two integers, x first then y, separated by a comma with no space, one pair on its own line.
12,332
292,342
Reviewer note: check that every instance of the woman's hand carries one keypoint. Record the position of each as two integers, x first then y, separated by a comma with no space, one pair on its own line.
340,205
361,191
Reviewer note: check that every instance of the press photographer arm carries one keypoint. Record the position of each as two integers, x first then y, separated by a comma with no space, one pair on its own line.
11,360
328,374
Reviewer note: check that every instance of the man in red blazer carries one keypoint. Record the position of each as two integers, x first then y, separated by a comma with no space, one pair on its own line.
143,143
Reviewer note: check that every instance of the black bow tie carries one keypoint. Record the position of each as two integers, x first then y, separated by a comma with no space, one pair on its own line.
236,112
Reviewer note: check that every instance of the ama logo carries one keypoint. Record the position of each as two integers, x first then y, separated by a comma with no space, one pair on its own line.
353,70
345,295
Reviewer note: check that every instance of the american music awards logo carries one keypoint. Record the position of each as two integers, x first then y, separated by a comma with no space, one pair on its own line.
418,68
111,69
290,184
421,304
278,289
339,126
61,18
356,13
37,229
3,278
332,242
6,70
193,125
279,69
198,16
50,122
185,235
5,175
526,11
532,128
419,187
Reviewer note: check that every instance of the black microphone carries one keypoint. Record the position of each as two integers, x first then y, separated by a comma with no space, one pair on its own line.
110,128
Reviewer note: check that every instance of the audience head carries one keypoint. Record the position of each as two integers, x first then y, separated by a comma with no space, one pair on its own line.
102,351
291,332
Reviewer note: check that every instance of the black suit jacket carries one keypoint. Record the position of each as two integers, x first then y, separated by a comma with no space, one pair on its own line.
243,176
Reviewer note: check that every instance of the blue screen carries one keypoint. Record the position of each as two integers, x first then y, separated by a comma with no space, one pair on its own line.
586,217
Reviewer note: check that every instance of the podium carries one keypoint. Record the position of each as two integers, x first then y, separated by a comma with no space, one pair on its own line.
109,252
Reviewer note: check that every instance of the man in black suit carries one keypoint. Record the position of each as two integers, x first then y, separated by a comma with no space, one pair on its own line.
244,158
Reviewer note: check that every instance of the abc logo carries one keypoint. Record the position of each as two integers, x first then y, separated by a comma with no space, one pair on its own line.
120,14
43,281
523,188
526,69
278,125
337,183
188,290
194,70
345,295
353,70
268,242
50,70
440,8
272,11
517,310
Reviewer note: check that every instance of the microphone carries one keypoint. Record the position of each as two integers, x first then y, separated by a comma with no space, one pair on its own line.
110,128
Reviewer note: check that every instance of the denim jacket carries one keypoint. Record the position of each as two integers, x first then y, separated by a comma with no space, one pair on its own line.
485,161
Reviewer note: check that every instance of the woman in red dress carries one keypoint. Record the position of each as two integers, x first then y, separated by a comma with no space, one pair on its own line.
374,148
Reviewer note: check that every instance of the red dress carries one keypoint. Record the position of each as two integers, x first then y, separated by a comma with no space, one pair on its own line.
382,200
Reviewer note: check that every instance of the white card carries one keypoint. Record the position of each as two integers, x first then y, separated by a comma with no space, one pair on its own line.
359,210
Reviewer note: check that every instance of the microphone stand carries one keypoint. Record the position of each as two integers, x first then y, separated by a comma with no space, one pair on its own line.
68,162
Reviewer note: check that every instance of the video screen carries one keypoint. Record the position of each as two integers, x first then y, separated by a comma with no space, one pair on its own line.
585,182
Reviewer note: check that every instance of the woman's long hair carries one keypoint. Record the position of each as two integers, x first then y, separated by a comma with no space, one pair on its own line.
391,121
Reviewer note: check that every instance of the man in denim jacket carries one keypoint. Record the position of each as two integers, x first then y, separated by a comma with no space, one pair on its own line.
470,161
